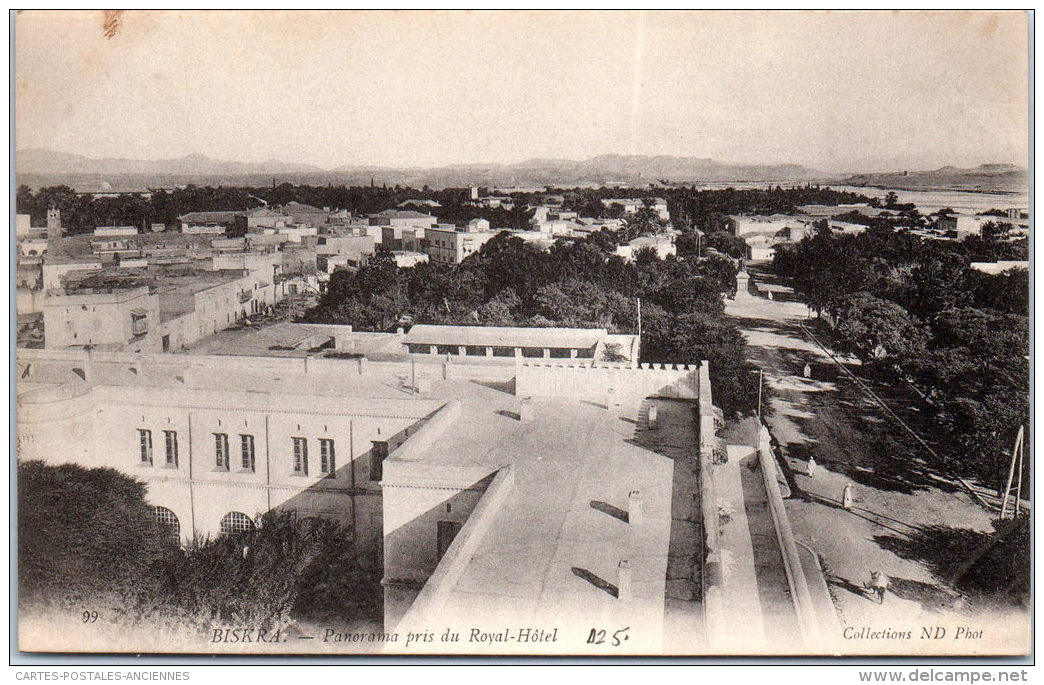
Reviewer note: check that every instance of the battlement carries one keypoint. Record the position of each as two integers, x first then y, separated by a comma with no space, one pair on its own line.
607,382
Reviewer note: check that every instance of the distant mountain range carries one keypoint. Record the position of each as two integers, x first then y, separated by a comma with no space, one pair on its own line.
39,167
993,178
43,162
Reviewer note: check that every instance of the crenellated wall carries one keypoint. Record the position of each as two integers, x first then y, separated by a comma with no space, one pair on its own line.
607,382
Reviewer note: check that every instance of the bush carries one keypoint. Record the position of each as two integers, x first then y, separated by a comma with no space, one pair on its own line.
88,538
83,533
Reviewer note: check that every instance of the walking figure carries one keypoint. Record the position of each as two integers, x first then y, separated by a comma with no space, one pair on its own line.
878,585
808,371
810,467
846,496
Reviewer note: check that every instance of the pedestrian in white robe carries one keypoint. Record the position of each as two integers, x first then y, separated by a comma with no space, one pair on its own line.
846,496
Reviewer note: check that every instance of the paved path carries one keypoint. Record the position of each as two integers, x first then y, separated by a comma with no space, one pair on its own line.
904,523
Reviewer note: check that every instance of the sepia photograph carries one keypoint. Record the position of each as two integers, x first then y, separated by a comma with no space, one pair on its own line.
521,333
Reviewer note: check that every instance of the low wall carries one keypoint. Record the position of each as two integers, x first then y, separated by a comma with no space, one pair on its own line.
420,442
599,381
715,620
95,361
803,606
429,608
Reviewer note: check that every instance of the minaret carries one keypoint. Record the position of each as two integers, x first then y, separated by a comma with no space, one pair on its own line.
54,224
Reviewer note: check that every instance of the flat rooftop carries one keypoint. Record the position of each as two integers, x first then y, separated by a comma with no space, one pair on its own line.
283,339
550,546
550,551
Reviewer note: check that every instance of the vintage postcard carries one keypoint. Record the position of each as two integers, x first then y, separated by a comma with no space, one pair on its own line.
523,333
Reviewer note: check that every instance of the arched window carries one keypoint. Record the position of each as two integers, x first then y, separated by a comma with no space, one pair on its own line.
169,519
236,522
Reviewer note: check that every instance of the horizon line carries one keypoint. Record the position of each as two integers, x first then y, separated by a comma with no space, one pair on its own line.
345,166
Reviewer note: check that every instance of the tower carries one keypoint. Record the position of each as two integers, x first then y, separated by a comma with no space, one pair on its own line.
54,223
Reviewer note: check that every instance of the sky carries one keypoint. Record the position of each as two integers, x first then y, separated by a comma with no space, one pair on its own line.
860,91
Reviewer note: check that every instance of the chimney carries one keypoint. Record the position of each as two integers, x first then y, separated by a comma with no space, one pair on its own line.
54,223
634,508
525,409
624,593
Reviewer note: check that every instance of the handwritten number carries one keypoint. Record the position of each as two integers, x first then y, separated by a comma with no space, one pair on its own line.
597,637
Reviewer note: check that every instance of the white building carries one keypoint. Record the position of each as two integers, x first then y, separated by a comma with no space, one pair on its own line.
965,225
628,205
402,219
405,259
761,248
663,245
994,268
113,231
740,225
23,225
448,244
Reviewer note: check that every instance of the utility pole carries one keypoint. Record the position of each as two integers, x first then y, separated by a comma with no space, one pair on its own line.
760,374
1016,456
639,318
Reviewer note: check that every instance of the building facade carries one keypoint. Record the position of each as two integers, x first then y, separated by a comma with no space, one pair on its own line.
448,244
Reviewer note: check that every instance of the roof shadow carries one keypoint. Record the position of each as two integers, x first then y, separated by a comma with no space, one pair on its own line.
615,512
600,583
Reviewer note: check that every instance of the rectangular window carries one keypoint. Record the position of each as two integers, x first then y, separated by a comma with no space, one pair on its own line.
300,456
377,456
246,443
145,446
171,438
221,451
327,458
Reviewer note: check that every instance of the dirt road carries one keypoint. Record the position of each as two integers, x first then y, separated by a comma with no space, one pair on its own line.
904,523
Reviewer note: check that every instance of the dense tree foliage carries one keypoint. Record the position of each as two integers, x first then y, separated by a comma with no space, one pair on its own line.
708,210
875,329
285,568
578,284
83,532
82,212
88,539
913,311
689,208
